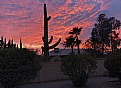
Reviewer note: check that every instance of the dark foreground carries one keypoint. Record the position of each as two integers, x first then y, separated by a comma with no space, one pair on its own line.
97,82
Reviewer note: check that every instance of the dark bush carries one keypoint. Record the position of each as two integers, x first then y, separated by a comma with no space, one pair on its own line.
18,66
78,67
113,65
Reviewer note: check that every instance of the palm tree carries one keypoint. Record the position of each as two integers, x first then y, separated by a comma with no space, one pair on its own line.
69,42
75,32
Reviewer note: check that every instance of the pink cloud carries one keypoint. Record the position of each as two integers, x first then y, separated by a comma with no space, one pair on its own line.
24,18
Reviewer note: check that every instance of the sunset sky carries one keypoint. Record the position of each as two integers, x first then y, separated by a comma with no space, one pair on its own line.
24,18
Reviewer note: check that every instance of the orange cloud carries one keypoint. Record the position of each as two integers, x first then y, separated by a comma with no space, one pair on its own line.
24,18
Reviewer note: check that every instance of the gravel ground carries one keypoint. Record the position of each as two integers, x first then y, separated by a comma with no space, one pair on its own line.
97,82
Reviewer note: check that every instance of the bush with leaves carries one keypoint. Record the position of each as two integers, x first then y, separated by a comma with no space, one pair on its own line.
18,66
78,67
113,65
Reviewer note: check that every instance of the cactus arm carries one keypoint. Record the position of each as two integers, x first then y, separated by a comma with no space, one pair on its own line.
8,44
20,43
2,38
46,47
42,49
51,39
53,46
12,43
5,43
48,18
43,39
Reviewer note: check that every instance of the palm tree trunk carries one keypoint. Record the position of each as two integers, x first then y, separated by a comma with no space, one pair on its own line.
72,49
78,49
78,43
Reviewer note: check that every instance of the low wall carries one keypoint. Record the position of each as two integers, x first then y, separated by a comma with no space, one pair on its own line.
52,71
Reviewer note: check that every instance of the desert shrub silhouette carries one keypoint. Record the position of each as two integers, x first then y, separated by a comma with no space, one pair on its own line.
18,66
113,65
78,68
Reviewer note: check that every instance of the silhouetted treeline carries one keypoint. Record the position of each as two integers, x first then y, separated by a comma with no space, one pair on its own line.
8,44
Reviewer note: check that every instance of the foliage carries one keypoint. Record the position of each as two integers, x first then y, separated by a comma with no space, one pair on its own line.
78,67
103,35
88,44
113,65
75,32
69,42
73,39
18,66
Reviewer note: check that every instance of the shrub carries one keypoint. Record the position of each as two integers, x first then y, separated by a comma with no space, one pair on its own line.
78,67
17,67
113,65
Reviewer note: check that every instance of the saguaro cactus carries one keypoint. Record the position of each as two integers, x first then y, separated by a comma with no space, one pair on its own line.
45,38
5,43
9,44
1,42
20,44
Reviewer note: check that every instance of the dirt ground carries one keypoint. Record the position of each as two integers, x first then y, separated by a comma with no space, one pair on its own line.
96,82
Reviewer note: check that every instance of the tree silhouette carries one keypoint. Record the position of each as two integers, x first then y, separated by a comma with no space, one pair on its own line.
75,32
103,34
114,36
88,44
69,42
